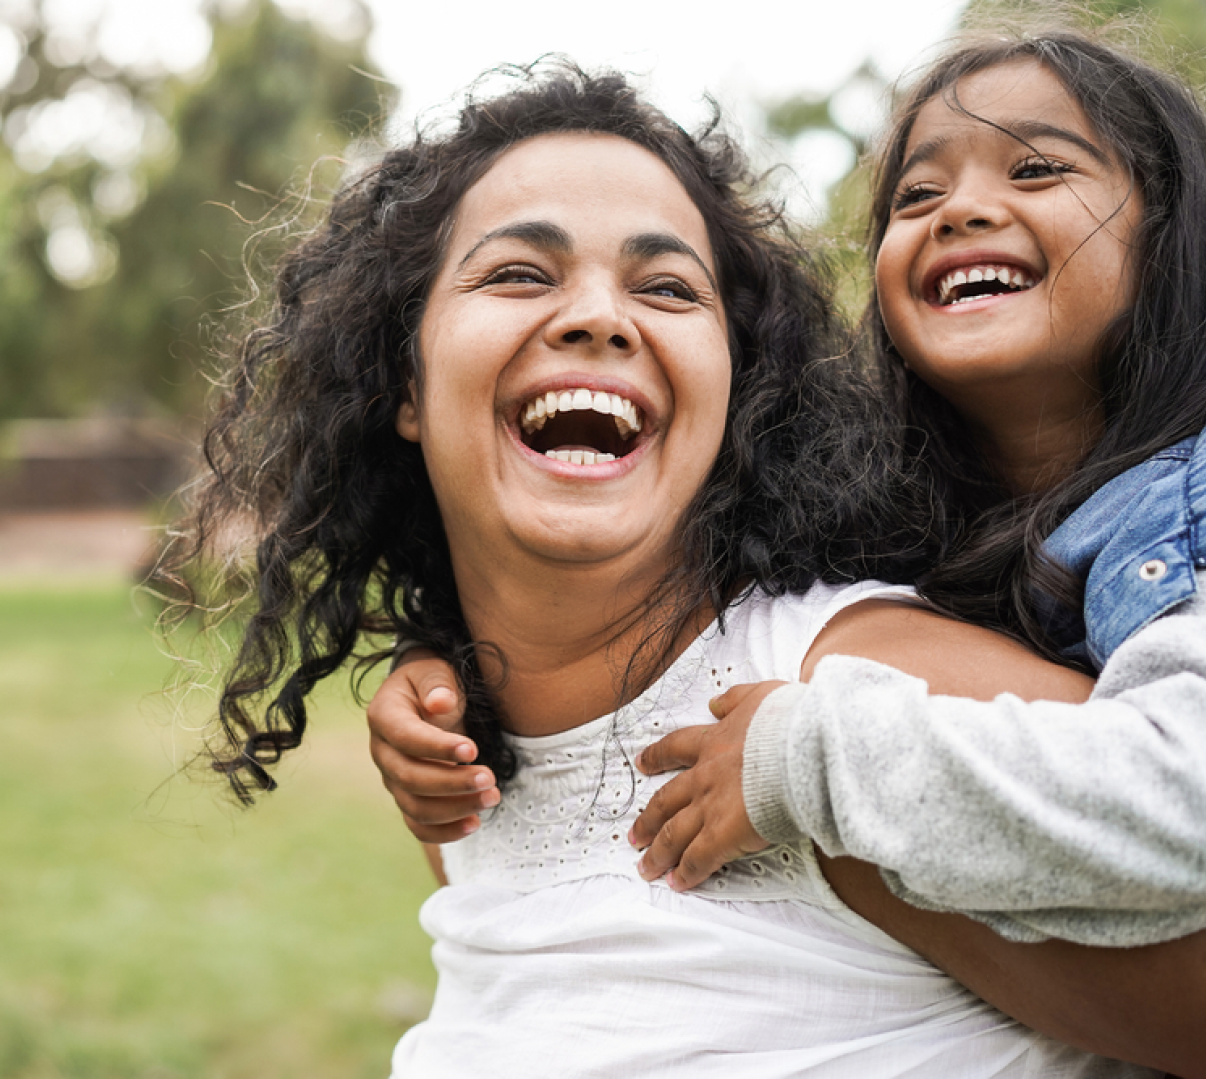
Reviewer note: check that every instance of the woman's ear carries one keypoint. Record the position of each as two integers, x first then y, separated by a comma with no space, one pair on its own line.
407,423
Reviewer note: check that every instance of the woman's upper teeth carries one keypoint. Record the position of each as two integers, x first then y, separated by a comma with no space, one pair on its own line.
535,413
1011,277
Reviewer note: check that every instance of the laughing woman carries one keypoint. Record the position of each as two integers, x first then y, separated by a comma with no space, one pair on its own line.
551,395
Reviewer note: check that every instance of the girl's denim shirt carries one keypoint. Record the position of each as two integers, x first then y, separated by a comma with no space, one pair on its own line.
1136,544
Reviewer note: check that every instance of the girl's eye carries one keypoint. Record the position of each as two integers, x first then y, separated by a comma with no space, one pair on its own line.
912,194
1038,168
517,274
670,288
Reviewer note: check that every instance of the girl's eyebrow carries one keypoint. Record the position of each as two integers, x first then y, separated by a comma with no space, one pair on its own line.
550,237
1024,131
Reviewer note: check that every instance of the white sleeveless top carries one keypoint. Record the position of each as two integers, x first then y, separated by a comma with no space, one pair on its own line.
556,959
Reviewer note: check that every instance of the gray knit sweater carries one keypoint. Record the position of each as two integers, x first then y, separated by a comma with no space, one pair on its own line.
1084,822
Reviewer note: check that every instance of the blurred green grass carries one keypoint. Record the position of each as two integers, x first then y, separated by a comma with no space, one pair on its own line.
147,927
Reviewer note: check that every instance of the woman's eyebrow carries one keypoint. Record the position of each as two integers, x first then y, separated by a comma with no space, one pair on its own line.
540,234
647,245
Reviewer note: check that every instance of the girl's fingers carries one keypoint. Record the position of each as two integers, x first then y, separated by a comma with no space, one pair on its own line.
656,816
395,719
666,850
680,749
698,862
436,690
428,778
431,812
443,833
731,698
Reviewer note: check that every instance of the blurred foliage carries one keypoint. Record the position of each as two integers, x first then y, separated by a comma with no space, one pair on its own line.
1168,33
156,246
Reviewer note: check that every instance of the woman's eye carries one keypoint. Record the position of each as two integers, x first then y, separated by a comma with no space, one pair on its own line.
1038,168
516,275
912,195
670,288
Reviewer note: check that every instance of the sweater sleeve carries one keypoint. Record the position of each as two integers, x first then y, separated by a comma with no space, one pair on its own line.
1083,822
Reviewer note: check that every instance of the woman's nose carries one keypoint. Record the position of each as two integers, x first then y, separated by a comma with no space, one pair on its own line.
594,316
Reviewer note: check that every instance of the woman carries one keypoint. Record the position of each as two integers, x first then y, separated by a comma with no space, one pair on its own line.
546,393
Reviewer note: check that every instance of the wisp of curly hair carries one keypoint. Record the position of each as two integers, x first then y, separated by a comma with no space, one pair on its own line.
1152,365
350,541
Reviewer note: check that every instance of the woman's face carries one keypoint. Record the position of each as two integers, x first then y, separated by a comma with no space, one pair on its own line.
1008,252
575,359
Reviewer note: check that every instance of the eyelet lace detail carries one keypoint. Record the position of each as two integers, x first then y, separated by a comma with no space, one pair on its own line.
567,813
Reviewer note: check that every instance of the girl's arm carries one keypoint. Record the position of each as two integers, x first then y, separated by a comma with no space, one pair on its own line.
928,772
1041,819
1143,1005
417,742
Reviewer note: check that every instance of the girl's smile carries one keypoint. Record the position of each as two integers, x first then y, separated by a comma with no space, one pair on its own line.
574,352
1007,254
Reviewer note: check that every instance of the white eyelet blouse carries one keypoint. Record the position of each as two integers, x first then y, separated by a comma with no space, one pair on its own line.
556,959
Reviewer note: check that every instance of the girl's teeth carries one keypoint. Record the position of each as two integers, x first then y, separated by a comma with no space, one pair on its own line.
1013,279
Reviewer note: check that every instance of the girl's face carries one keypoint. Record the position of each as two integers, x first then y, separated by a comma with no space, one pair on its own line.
1008,250
575,358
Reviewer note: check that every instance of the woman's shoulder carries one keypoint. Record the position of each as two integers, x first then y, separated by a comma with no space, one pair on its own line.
771,634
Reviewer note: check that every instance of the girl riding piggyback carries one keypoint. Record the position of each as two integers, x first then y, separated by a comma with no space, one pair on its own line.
1040,294
1040,272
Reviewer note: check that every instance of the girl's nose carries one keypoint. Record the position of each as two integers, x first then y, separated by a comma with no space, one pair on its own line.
967,212
594,317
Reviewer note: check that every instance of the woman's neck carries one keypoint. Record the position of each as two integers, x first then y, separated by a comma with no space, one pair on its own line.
566,636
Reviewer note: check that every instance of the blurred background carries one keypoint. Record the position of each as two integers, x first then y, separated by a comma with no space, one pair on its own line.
152,152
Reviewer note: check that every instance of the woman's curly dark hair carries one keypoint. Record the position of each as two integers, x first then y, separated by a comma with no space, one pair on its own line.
1152,367
303,451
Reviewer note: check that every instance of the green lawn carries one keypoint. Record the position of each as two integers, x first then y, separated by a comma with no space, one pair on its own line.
149,929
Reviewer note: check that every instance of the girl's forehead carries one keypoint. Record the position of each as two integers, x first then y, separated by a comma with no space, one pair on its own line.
1016,98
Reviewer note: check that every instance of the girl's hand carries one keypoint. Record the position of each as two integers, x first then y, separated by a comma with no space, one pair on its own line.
697,822
416,742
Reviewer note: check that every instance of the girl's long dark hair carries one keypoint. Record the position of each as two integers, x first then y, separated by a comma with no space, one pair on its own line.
304,455
1152,366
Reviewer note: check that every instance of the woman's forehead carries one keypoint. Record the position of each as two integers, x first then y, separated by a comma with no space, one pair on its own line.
583,183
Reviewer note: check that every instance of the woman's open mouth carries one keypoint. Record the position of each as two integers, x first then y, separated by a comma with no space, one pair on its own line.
580,426
970,283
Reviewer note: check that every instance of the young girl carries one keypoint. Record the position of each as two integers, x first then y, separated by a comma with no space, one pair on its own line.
1039,269
1041,287
1040,272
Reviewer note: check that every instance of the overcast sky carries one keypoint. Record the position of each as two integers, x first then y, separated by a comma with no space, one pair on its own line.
744,54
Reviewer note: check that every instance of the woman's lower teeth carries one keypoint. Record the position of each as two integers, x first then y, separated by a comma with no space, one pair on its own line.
580,457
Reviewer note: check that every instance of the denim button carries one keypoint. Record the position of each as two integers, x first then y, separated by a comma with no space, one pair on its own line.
1153,570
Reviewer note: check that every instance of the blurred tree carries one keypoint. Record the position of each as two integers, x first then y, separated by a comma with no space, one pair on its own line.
1171,33
118,249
